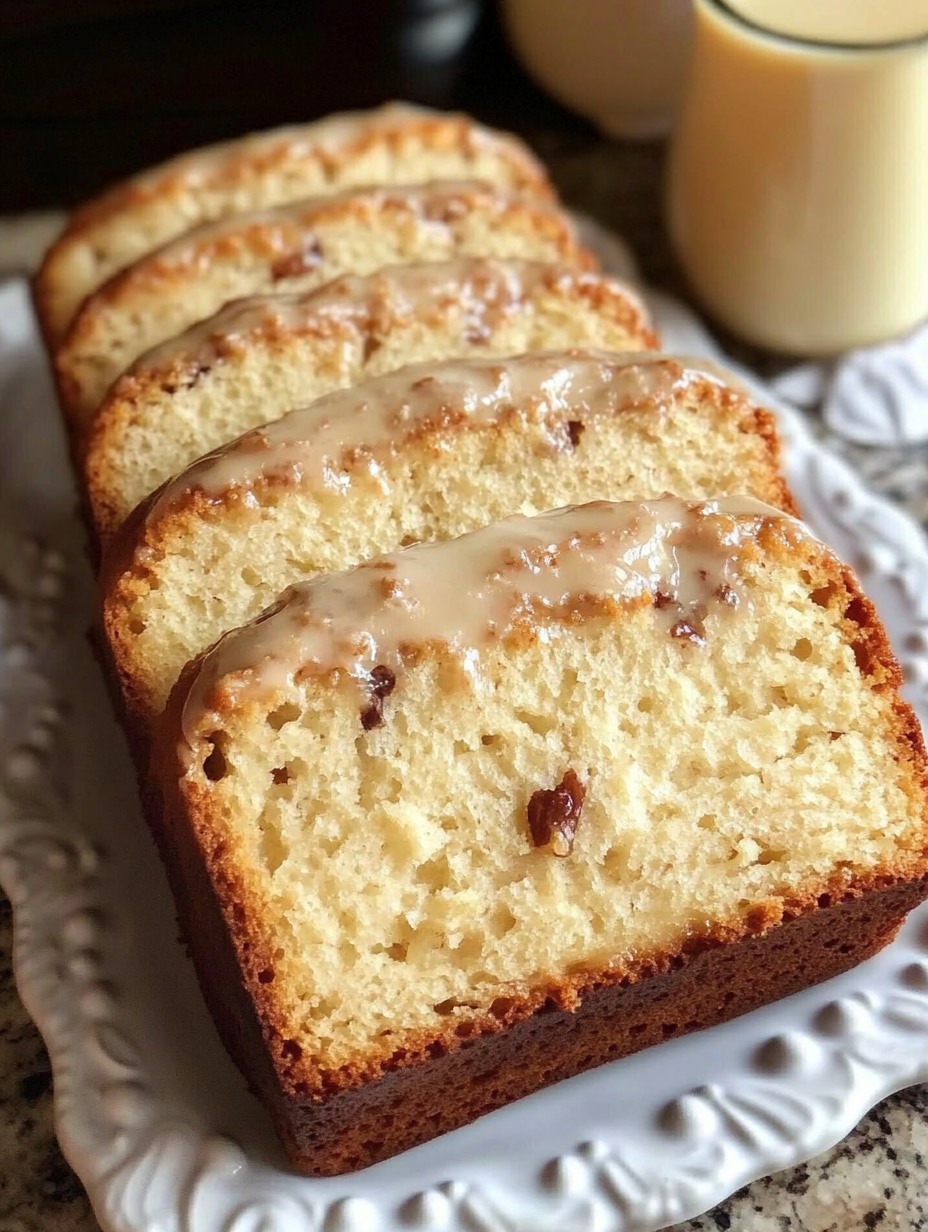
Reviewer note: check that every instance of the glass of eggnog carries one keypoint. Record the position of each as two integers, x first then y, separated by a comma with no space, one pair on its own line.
797,195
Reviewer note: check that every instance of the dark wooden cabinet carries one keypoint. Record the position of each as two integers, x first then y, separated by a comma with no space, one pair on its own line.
93,89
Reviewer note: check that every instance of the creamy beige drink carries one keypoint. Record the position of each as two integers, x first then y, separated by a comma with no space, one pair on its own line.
798,182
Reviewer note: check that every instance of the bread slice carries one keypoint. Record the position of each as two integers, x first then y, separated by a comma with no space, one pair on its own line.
293,248
425,453
479,815
396,144
259,358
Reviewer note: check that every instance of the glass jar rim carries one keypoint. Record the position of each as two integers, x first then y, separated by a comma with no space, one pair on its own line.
737,18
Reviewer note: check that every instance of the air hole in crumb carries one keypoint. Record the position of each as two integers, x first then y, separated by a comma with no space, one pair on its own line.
824,900
645,704
398,951
266,976
501,1006
287,713
470,949
863,658
708,821
824,596
502,921
215,766
136,626
291,1050
770,856
280,774
615,861
802,649
434,873
541,724
487,738
856,611
250,576
575,430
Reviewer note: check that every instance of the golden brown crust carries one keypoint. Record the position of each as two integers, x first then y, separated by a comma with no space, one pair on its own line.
251,159
370,1109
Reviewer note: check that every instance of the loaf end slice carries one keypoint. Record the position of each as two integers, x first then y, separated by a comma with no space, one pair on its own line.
478,815
396,144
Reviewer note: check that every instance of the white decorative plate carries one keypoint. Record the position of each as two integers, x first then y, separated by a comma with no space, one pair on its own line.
153,1116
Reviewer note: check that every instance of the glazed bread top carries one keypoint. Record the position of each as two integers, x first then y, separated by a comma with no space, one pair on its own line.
504,582
394,144
359,427
460,781
424,453
259,358
299,246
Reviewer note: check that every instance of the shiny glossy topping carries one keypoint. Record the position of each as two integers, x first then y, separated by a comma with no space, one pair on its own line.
488,292
516,578
355,432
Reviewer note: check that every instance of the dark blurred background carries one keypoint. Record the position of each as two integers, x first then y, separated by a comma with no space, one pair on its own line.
93,89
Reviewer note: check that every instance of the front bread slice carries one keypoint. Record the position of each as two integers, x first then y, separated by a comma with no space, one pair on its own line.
479,815
395,144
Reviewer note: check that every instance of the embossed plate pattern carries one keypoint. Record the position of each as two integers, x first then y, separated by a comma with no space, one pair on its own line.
150,1111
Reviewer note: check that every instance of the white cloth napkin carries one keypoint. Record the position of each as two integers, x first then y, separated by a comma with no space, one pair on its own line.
872,396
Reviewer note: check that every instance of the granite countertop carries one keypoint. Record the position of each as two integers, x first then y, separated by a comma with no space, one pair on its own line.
876,1178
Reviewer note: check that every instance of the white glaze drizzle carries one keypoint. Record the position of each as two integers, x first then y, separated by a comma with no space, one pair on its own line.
322,445
519,575
487,290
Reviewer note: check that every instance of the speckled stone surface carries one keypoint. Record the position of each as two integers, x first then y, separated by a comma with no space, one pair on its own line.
876,1178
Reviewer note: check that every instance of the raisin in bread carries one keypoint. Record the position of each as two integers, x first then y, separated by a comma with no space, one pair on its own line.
294,247
396,144
479,815
259,358
428,452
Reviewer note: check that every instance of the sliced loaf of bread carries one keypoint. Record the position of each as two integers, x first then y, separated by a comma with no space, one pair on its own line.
294,247
482,814
424,453
257,359
396,144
